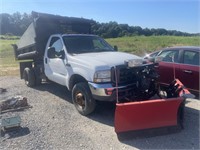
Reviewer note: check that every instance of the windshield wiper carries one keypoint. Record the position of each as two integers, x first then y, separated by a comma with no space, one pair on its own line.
103,50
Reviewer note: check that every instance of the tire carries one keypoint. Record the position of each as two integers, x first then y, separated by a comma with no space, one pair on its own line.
82,99
29,77
38,79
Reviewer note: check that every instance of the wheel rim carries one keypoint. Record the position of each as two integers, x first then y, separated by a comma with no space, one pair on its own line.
26,79
80,100
26,82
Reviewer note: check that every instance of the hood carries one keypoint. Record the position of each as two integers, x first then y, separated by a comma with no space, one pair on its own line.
103,59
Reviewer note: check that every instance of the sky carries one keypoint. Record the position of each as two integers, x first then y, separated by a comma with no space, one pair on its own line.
181,15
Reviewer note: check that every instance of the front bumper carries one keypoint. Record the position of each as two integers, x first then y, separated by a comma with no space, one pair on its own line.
106,91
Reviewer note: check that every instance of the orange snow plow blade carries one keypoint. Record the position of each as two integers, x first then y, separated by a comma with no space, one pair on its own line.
148,114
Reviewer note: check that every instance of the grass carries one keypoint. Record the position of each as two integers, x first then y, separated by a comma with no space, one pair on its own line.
8,65
7,54
138,45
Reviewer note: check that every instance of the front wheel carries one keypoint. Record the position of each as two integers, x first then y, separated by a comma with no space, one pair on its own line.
82,98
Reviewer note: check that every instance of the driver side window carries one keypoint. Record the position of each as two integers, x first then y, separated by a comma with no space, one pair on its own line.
170,56
56,43
56,48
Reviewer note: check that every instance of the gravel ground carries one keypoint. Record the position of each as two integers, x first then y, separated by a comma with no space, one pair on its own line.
53,123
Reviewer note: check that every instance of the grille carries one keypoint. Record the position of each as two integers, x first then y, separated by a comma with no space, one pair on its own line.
124,75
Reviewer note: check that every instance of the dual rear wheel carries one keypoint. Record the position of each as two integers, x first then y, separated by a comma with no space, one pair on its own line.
31,77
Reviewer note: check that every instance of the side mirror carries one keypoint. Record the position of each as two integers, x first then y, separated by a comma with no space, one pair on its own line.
151,59
51,52
158,59
115,48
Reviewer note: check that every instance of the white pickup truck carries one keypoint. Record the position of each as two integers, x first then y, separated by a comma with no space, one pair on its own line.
86,64
63,50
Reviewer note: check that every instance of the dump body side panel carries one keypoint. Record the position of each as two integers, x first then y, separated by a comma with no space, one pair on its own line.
33,42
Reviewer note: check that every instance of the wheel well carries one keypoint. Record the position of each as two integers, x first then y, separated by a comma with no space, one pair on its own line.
75,79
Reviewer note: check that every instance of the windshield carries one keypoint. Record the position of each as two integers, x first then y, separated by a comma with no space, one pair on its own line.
86,44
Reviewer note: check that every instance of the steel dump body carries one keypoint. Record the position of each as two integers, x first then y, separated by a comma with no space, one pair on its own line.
33,42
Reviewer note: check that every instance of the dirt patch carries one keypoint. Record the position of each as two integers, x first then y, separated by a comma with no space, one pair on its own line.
54,123
9,71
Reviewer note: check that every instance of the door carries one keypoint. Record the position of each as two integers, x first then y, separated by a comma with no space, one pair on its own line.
189,70
55,61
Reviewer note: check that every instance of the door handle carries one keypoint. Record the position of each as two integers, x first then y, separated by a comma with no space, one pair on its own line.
187,71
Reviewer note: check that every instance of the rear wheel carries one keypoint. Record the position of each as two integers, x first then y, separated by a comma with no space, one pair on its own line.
29,77
38,79
82,98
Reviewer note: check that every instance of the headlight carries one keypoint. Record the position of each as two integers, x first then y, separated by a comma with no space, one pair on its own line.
134,62
102,76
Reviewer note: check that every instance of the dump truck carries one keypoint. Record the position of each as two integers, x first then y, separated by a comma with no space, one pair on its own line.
63,50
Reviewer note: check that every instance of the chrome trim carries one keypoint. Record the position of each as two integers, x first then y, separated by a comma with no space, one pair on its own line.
178,63
99,89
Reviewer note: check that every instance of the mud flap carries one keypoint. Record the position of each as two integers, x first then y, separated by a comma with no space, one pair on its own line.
148,114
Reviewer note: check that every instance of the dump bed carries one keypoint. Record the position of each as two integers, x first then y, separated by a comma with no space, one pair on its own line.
33,42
